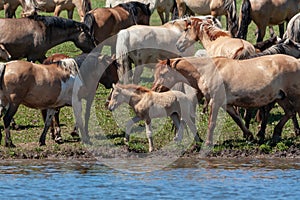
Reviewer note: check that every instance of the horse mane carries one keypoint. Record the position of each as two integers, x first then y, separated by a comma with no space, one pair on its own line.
214,32
137,88
59,22
68,64
132,6
86,5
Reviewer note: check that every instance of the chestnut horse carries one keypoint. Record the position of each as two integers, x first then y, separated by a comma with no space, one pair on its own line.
216,41
226,83
106,22
148,105
31,6
32,37
264,13
211,7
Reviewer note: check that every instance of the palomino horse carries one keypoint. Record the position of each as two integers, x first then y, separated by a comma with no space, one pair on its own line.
226,83
146,44
293,29
264,13
211,7
163,7
23,82
31,6
216,41
32,37
148,105
106,22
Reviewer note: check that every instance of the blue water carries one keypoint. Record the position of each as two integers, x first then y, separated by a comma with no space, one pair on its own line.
183,179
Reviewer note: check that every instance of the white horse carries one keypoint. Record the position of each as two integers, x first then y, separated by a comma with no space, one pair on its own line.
146,44
163,7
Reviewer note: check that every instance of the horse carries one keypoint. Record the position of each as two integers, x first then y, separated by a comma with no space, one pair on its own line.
227,82
10,7
211,7
31,6
22,83
32,37
264,13
216,41
106,22
163,7
148,104
292,29
145,44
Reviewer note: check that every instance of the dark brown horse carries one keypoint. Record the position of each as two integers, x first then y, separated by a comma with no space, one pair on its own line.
10,7
106,22
32,37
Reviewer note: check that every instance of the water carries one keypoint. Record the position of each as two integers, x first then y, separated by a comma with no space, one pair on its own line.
183,179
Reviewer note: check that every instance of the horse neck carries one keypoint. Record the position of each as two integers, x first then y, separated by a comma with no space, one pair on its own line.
133,97
62,35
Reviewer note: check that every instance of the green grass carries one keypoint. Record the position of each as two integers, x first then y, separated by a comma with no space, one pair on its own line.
227,134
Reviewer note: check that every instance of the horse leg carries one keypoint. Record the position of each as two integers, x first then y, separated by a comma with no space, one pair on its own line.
191,124
281,30
161,15
129,126
12,109
213,114
55,128
261,33
176,121
70,14
264,112
57,10
289,112
138,70
149,134
236,117
48,121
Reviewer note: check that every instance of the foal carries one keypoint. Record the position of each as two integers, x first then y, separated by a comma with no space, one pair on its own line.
148,104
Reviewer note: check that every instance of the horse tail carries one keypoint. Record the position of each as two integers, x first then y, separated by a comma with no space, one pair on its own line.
89,21
245,19
122,51
174,10
2,70
231,8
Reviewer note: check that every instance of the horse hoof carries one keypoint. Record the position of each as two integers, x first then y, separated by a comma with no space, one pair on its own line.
59,140
10,145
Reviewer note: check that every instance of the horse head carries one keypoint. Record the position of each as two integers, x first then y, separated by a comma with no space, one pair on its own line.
164,75
110,74
84,39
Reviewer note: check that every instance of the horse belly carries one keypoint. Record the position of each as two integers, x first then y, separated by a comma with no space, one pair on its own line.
201,7
65,96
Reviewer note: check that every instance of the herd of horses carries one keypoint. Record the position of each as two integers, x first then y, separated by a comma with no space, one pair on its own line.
232,74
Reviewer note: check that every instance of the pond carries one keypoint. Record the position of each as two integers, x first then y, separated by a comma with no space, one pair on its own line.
183,179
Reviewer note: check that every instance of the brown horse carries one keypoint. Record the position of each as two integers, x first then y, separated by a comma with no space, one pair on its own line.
211,7
106,22
32,37
4,53
56,6
23,82
148,105
10,7
264,13
216,41
226,83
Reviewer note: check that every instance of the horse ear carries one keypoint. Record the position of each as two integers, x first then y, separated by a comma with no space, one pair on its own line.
148,5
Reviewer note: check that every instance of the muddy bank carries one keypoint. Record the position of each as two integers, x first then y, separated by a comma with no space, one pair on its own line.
79,151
